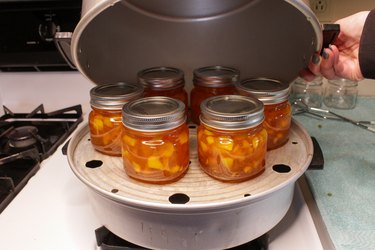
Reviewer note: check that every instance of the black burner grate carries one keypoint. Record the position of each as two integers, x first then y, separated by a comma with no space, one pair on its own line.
106,240
28,138
13,177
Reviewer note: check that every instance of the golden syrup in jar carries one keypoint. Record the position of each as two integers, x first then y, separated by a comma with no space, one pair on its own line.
155,139
277,109
211,81
105,117
232,142
164,81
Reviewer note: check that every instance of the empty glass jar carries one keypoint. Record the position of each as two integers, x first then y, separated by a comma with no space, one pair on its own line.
310,93
341,94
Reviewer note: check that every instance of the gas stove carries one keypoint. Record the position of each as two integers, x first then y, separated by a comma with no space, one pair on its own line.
26,139
53,211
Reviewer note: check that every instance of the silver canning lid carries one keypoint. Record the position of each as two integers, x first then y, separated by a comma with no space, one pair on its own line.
215,76
114,96
161,78
269,91
153,113
230,112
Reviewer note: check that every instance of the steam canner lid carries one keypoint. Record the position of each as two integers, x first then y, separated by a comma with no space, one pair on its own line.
261,38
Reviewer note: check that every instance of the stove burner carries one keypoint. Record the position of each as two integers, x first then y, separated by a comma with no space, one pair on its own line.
26,139
22,137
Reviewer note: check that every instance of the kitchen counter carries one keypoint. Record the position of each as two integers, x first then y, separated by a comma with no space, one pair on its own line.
345,189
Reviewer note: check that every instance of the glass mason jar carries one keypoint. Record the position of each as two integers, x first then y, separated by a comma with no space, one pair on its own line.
211,81
155,139
164,81
310,93
232,142
105,117
277,109
341,94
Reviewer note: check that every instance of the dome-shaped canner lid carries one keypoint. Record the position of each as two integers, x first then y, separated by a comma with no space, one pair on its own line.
261,38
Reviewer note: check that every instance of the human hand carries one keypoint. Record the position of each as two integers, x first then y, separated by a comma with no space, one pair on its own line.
340,60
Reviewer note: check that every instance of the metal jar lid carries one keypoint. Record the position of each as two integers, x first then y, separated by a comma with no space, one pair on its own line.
114,96
268,91
161,78
215,76
153,113
230,112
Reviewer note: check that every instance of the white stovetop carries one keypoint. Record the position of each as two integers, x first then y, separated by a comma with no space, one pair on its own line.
53,210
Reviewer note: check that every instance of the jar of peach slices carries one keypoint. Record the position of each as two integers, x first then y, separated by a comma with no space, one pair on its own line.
155,139
211,81
232,142
277,109
164,81
105,117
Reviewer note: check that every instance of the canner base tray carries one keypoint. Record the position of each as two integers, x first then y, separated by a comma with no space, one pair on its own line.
283,166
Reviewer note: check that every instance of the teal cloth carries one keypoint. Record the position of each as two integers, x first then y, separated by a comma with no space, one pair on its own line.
345,189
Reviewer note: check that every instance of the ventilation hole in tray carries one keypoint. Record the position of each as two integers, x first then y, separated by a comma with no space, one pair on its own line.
94,164
115,190
179,198
294,142
246,195
192,126
281,168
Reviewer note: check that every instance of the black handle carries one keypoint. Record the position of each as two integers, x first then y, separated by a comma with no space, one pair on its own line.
330,33
317,161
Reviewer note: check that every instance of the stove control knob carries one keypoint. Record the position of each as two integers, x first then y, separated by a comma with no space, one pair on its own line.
47,30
